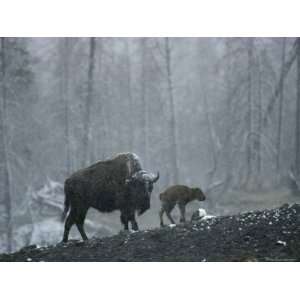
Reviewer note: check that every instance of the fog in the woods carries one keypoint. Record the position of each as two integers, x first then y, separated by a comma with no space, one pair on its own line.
222,114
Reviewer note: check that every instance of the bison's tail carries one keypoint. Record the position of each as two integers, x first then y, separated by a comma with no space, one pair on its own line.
66,209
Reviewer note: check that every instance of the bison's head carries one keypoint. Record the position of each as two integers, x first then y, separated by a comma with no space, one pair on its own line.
140,186
198,194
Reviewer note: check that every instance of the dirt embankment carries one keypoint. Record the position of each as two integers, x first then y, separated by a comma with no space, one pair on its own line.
268,235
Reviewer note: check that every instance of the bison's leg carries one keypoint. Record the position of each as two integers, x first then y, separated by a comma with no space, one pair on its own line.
124,220
182,213
134,225
79,223
81,230
161,213
68,225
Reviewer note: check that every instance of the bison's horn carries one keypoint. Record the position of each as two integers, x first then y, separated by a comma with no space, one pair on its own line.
154,179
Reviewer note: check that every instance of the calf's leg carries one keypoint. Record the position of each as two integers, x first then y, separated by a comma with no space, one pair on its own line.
182,213
168,213
161,213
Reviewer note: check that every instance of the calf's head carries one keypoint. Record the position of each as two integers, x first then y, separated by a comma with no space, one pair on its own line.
140,186
198,194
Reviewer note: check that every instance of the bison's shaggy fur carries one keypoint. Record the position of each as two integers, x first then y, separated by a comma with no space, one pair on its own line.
179,195
115,184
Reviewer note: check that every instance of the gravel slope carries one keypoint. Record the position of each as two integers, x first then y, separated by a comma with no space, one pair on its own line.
269,235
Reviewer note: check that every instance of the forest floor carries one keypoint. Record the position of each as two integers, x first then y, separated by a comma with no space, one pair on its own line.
265,235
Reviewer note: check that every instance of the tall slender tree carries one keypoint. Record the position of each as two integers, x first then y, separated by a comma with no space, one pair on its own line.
172,123
129,94
297,131
144,99
259,126
250,46
6,172
283,75
281,99
65,54
89,101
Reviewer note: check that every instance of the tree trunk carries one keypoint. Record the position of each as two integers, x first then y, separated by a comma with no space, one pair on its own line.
131,135
99,150
284,72
229,119
249,151
214,142
144,101
172,124
259,130
281,97
297,158
64,94
7,200
89,101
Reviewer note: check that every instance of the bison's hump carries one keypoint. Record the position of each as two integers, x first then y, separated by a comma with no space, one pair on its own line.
117,168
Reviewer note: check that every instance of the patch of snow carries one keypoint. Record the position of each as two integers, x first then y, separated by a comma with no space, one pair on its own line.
201,212
172,225
208,217
281,243
29,259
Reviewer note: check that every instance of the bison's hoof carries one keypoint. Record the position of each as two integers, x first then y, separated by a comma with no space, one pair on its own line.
62,243
135,228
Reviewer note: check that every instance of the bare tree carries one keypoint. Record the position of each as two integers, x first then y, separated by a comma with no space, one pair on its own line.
64,85
297,132
89,101
284,72
230,93
172,124
7,199
281,98
144,99
131,134
249,153
258,147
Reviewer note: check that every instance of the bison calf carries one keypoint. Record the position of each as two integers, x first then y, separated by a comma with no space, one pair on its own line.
180,195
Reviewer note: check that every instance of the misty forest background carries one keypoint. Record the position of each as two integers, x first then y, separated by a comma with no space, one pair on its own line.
219,113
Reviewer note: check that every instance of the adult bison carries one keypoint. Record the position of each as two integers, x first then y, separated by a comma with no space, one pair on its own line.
119,183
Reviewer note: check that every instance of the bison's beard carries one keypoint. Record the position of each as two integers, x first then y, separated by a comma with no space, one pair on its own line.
141,209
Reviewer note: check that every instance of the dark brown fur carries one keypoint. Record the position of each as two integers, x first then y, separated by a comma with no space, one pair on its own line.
179,195
115,184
